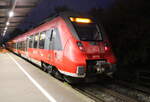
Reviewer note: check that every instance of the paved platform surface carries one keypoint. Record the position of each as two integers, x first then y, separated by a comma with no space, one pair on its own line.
20,81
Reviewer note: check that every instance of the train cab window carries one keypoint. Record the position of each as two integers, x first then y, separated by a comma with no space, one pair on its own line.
36,39
88,31
31,41
42,40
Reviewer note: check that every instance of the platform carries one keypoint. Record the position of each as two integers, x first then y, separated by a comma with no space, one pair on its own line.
20,81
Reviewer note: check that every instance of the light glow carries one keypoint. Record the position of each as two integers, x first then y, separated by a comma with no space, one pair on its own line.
81,20
36,38
4,32
72,19
11,14
42,36
5,28
106,48
7,23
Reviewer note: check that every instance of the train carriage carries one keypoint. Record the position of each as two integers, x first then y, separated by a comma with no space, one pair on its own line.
70,46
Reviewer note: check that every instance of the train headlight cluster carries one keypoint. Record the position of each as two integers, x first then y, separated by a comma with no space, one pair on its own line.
80,45
100,70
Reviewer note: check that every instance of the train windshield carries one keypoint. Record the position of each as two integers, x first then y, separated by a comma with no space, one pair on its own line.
88,32
86,29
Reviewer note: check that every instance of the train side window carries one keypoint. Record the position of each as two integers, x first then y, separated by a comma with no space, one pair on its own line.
31,41
42,40
27,43
20,45
36,38
23,45
14,45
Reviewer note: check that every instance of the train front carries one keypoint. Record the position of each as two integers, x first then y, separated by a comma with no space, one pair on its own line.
91,52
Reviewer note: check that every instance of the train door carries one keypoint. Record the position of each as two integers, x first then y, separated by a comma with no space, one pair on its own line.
56,47
51,40
47,39
48,46
49,57
27,46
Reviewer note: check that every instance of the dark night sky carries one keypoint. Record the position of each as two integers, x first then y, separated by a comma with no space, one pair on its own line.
46,7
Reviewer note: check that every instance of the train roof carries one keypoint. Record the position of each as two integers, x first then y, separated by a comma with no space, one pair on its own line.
63,15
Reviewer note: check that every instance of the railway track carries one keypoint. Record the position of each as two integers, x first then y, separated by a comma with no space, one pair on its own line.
90,94
140,93
134,86
102,94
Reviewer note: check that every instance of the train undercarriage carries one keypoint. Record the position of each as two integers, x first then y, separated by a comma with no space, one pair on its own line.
95,70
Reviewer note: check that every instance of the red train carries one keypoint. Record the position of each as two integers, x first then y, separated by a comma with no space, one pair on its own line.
69,46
